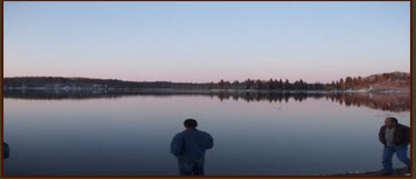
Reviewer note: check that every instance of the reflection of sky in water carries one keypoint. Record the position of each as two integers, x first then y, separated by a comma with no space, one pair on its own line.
131,136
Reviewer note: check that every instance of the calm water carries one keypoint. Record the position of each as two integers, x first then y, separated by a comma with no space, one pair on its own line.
130,135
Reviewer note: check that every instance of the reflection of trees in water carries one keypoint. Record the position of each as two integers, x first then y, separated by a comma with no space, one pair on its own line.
381,101
271,97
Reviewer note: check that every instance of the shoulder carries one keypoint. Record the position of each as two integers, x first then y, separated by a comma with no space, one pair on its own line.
205,133
179,134
403,126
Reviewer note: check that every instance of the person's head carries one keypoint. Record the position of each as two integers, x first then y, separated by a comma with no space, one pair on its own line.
190,123
390,122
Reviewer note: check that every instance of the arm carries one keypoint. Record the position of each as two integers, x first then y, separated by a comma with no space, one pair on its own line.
381,136
406,135
176,145
210,142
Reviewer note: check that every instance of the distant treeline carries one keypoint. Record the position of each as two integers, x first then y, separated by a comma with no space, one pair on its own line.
85,83
382,81
383,101
88,83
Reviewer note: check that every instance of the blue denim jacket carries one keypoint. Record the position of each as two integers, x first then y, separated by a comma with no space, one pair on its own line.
191,144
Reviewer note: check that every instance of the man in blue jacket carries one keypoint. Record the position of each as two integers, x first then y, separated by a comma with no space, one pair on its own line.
189,148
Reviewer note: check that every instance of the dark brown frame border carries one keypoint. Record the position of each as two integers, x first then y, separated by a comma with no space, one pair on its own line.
254,176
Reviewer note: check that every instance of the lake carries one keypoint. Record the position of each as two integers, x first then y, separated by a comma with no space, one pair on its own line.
254,134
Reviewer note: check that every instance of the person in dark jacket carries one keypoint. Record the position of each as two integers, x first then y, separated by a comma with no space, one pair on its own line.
6,150
395,138
189,148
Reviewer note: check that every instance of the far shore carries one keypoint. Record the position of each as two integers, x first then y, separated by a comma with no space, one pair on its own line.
203,91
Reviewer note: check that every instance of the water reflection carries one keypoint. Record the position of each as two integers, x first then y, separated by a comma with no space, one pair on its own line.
397,102
256,135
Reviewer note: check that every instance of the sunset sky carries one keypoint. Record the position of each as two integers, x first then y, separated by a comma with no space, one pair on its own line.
206,41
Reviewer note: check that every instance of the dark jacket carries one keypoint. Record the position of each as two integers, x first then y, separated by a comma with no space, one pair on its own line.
6,150
191,144
401,135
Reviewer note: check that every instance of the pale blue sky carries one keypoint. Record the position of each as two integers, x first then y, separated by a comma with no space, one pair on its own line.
206,41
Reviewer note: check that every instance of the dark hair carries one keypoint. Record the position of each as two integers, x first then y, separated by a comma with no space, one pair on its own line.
190,123
393,119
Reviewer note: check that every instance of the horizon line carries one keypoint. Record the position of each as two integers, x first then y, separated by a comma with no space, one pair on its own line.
94,78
